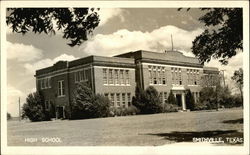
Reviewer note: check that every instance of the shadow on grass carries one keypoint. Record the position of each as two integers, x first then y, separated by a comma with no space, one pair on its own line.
236,121
188,136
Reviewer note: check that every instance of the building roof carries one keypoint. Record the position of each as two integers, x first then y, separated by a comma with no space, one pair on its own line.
169,57
93,60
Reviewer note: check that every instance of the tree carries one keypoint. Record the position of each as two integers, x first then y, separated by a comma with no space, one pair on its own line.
8,116
190,100
152,101
88,105
238,78
137,100
171,99
148,101
208,97
76,23
34,108
223,35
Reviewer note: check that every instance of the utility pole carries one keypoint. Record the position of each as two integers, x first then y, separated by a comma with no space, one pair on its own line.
172,42
19,109
223,77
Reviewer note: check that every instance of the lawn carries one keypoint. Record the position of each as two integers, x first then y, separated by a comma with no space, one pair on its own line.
139,130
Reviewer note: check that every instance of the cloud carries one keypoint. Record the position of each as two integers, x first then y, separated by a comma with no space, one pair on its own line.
108,13
23,53
125,41
32,67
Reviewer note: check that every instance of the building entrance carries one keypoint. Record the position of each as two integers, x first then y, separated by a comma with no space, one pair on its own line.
60,112
179,100
179,93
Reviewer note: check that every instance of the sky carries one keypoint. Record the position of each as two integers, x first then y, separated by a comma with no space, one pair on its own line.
120,30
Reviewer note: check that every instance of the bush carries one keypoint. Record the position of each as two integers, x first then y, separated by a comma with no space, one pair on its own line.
171,99
88,105
121,111
200,106
34,108
8,116
148,102
101,106
170,108
190,100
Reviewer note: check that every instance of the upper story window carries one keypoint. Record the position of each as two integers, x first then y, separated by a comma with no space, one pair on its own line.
61,88
157,75
110,77
176,74
116,77
127,77
80,76
193,76
45,83
105,76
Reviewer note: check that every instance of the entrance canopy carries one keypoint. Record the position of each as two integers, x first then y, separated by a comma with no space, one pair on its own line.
178,88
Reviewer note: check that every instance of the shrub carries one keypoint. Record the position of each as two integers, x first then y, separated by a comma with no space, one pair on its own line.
170,108
171,99
190,100
148,102
101,106
121,111
200,106
8,116
88,105
34,108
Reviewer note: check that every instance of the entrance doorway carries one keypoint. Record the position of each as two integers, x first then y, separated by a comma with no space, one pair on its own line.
60,112
178,99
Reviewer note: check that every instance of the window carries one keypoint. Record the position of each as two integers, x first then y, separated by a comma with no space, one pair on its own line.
45,83
180,78
61,91
118,100
49,81
155,76
122,77
42,84
112,98
116,77
86,74
150,77
79,76
123,100
77,79
46,104
105,76
127,77
82,75
106,95
165,96
111,81
159,76
163,77
129,99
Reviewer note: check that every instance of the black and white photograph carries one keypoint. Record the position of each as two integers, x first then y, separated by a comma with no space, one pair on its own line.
138,75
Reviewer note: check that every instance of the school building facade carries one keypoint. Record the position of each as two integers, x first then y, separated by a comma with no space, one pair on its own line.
116,77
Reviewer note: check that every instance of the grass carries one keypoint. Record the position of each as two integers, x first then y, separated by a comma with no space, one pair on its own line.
139,130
